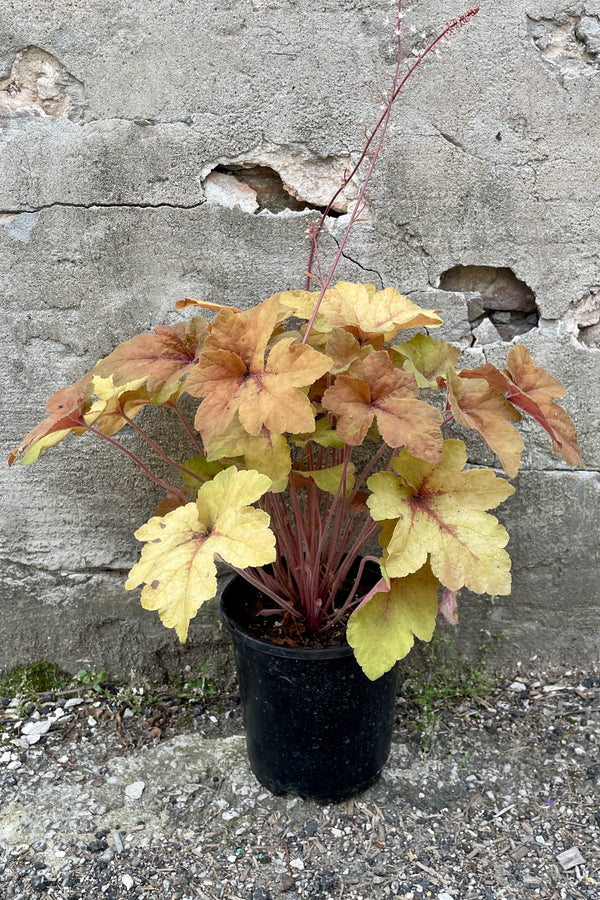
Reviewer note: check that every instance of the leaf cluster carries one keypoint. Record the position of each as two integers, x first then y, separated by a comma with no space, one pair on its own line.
317,429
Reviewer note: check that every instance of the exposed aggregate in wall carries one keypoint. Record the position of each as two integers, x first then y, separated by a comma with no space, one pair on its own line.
569,41
39,83
147,154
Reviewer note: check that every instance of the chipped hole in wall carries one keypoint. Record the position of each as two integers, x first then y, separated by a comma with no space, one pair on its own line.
499,305
254,188
568,41
582,319
39,83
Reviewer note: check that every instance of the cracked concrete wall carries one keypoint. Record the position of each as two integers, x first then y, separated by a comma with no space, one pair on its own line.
109,126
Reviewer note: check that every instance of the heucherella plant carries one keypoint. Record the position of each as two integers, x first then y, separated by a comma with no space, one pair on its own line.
317,429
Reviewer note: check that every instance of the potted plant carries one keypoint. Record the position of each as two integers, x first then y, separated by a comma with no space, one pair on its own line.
319,429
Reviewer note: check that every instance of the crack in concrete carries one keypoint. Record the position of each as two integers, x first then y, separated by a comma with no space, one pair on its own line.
530,470
99,205
451,140
62,573
357,263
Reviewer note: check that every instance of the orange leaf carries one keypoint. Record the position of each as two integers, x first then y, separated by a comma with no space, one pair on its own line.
164,358
533,390
171,502
389,395
66,408
204,304
478,406
344,349
248,369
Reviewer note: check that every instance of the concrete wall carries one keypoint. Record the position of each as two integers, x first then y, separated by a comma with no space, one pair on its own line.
112,119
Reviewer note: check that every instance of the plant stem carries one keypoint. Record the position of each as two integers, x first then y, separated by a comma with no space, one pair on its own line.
186,425
251,576
160,452
169,488
350,600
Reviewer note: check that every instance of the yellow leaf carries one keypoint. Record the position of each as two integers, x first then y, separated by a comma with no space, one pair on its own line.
106,411
324,435
266,452
358,307
43,443
383,630
177,563
427,358
438,511
374,312
329,479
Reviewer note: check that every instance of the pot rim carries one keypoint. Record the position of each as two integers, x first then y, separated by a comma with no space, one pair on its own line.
305,653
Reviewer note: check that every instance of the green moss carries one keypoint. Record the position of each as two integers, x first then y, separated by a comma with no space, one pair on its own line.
37,678
446,678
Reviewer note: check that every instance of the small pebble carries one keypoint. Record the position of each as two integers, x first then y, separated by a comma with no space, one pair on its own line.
97,846
135,790
33,731
117,841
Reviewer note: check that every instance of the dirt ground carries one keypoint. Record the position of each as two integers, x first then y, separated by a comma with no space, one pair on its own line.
120,795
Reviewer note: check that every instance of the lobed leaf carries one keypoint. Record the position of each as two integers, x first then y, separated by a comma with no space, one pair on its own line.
106,412
205,469
267,453
476,405
374,312
237,373
66,407
324,435
438,512
427,358
376,389
328,480
533,390
344,349
162,358
372,316
177,563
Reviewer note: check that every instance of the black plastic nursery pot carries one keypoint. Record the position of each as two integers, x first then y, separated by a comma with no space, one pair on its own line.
315,724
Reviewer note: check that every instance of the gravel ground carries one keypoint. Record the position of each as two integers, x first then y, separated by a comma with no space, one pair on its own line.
494,797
